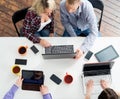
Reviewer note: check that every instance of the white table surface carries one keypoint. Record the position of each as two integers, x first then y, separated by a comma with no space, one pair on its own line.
8,53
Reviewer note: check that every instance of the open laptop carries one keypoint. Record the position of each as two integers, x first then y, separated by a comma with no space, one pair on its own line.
59,51
96,72
32,80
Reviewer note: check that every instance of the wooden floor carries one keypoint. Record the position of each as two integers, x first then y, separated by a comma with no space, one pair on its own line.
110,24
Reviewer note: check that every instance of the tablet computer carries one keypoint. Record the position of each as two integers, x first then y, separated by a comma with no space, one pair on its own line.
106,54
32,80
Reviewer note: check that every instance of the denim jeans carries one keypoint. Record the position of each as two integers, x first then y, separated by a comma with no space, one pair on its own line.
78,32
42,33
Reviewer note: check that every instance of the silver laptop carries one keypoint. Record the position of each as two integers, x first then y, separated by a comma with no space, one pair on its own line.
59,51
96,72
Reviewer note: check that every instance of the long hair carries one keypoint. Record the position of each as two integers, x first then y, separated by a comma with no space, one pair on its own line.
108,94
40,5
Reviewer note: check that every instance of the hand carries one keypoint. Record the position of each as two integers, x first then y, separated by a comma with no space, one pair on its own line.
19,81
79,53
51,35
44,43
43,89
89,87
104,84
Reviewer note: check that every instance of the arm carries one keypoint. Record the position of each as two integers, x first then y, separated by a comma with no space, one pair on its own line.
92,21
30,26
65,21
10,94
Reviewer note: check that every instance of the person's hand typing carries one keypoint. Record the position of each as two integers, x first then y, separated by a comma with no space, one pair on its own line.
89,87
79,53
104,84
44,43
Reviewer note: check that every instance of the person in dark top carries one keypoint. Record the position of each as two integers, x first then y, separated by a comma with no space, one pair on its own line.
39,21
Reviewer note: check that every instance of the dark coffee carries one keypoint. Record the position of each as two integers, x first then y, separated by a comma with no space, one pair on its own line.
22,50
68,79
16,69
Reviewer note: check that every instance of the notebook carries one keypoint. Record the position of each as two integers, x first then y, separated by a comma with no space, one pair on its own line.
59,51
106,54
96,72
32,80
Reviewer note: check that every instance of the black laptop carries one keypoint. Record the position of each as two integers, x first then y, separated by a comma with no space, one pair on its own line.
32,80
59,51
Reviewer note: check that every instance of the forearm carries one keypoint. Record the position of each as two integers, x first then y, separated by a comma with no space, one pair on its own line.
10,94
88,43
31,37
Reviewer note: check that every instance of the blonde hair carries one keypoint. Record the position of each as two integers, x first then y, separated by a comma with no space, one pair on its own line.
39,5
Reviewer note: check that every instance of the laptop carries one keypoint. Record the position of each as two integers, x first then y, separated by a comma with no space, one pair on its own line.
96,72
106,54
59,51
32,80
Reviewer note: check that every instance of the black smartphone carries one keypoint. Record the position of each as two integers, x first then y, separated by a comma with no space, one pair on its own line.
88,55
55,79
21,61
34,49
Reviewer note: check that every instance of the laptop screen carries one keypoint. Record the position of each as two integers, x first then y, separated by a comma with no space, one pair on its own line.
97,66
93,69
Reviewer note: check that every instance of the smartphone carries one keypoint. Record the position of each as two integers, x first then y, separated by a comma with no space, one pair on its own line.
21,61
34,49
55,79
88,55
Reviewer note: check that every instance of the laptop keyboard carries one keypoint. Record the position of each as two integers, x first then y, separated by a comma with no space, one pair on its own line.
61,49
97,79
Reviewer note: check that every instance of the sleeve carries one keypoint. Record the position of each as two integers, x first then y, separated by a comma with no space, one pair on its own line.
30,26
65,22
10,94
92,21
47,96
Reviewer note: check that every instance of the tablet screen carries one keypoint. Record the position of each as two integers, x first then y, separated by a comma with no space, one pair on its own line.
33,77
106,54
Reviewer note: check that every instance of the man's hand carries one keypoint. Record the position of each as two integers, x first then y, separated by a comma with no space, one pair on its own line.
79,53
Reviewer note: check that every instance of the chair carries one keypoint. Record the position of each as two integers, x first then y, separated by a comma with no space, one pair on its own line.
98,4
18,16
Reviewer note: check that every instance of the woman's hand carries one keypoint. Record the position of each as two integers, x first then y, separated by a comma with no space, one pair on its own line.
44,43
